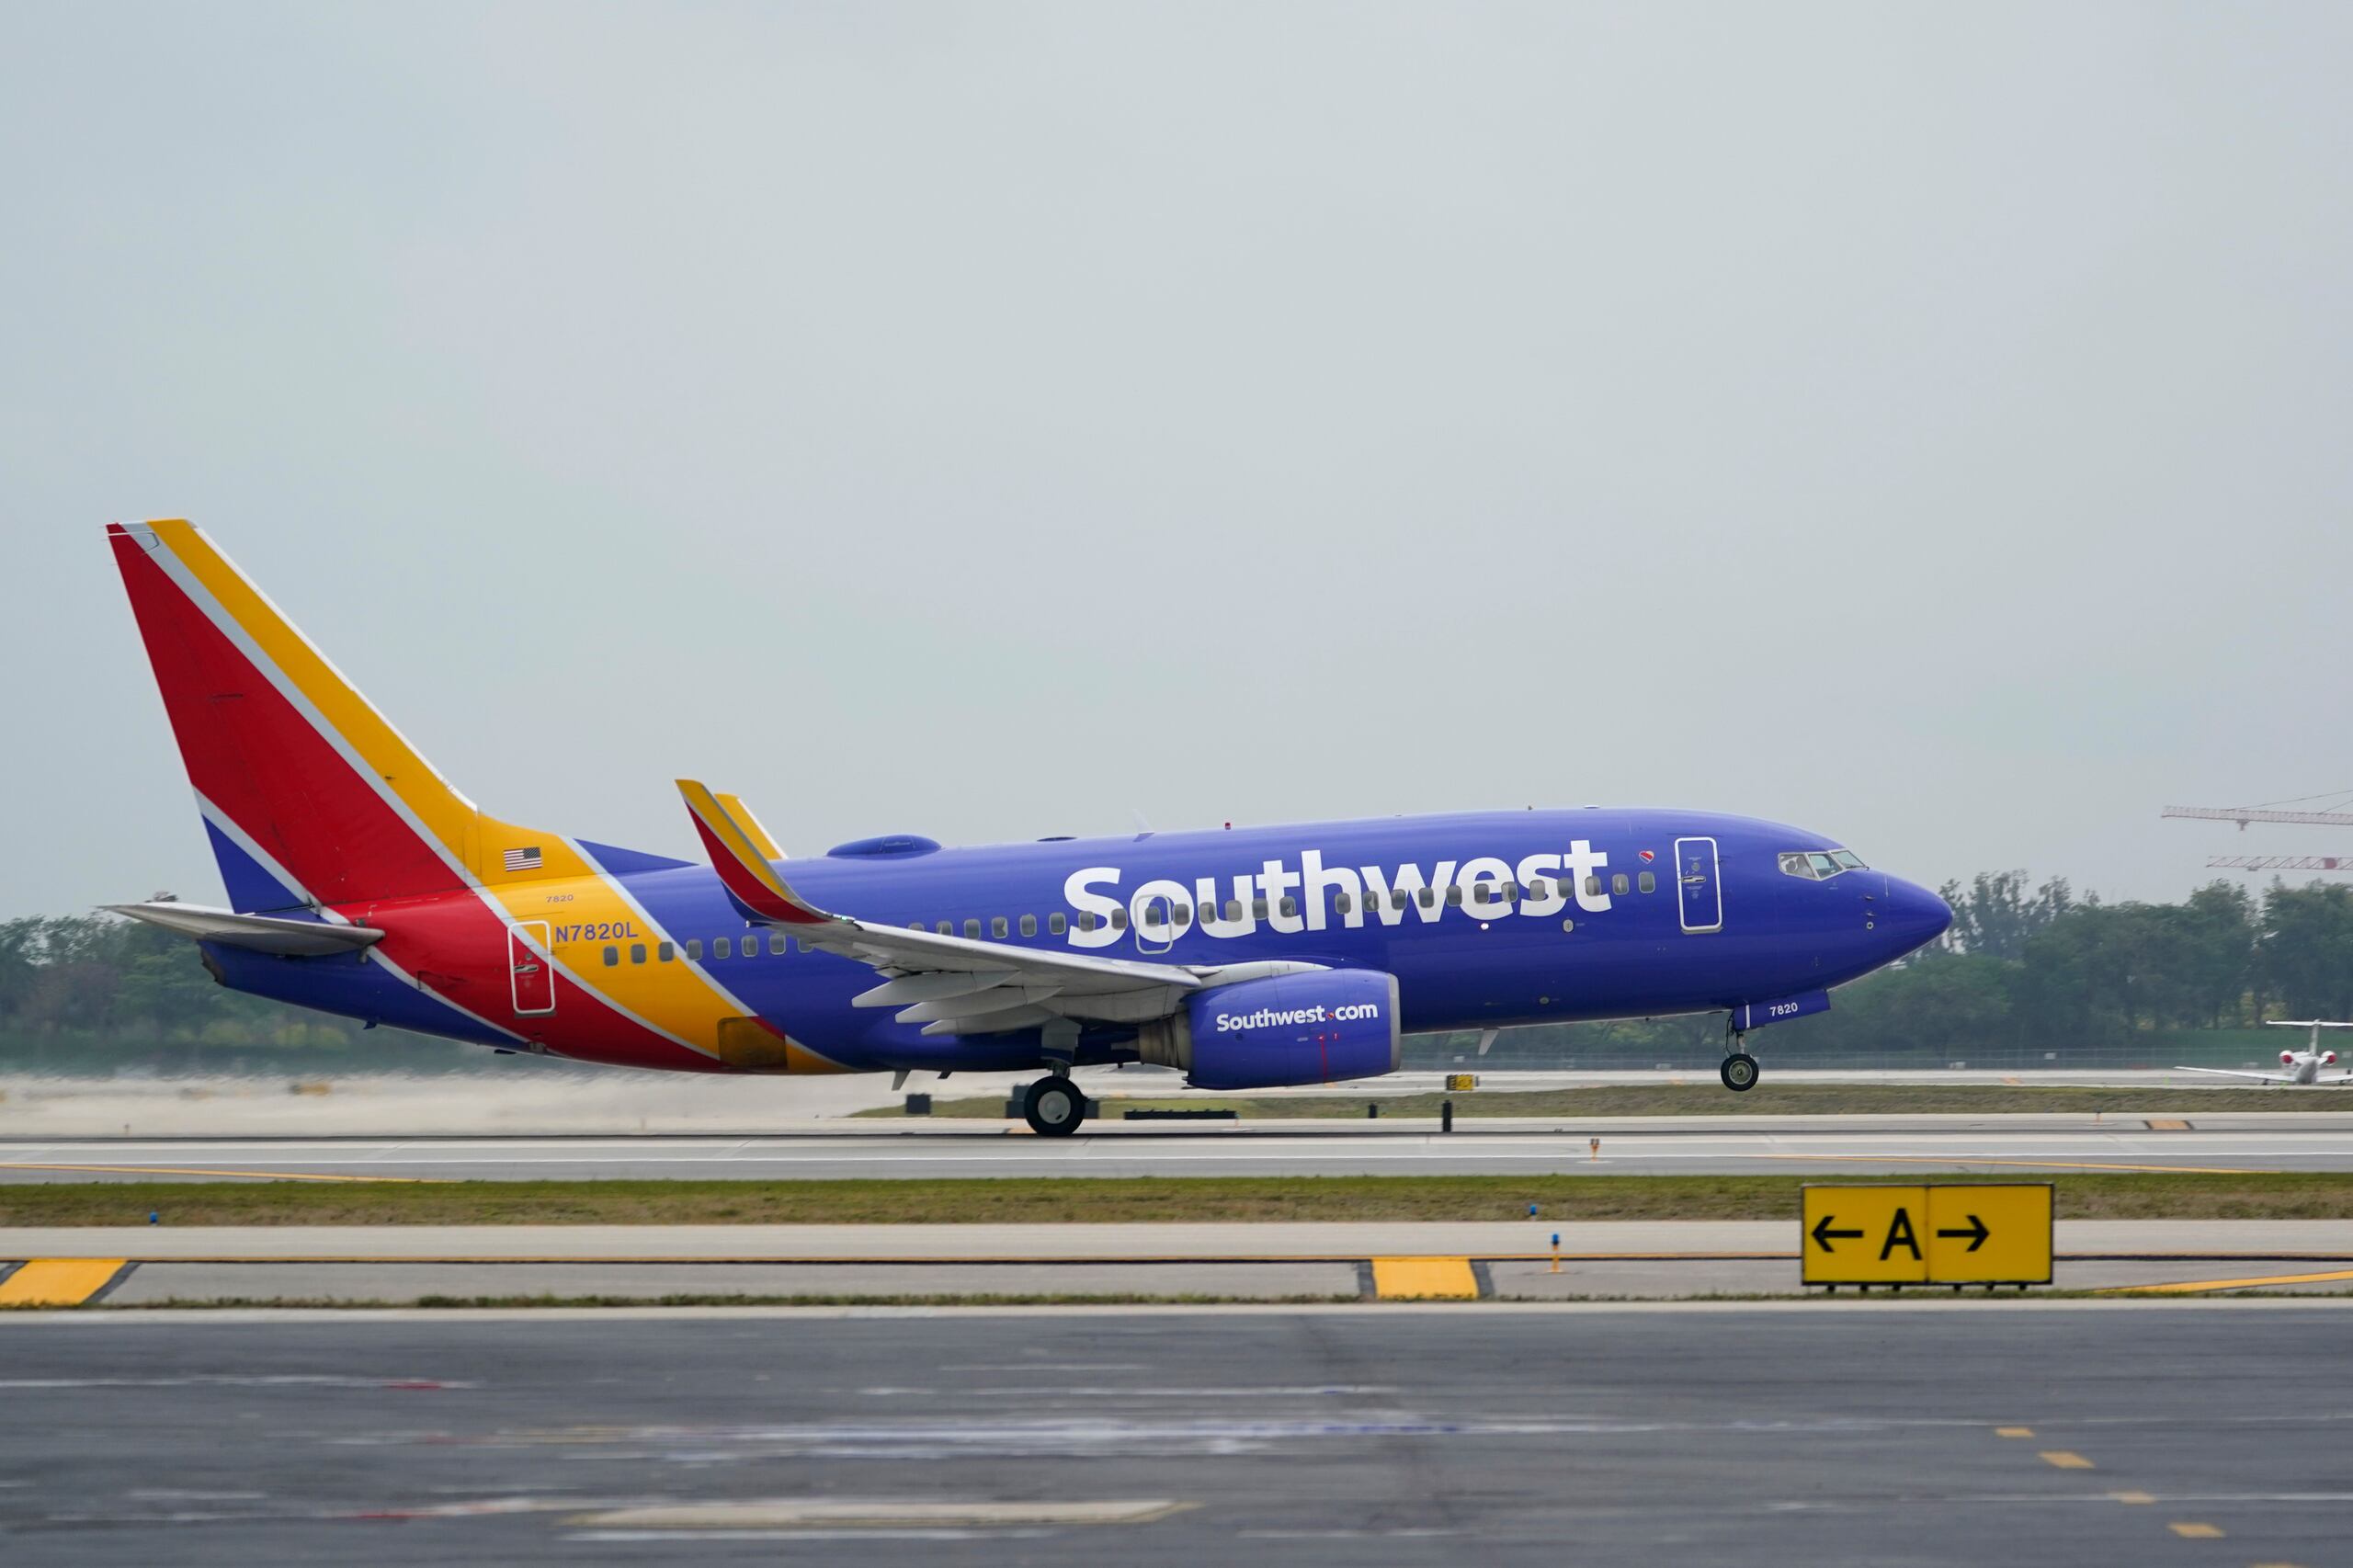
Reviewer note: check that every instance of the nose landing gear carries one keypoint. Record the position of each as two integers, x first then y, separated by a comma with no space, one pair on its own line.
1740,1070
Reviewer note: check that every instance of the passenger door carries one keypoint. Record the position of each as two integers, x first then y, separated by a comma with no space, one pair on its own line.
1699,886
530,974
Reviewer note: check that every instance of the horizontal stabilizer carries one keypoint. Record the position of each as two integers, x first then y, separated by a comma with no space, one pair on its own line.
255,933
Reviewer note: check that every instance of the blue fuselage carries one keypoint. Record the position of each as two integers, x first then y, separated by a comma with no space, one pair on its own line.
1486,919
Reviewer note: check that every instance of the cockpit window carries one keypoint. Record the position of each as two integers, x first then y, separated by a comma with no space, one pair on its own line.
1818,866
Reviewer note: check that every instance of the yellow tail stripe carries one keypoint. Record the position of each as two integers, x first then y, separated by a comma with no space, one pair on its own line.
753,829
58,1281
1404,1277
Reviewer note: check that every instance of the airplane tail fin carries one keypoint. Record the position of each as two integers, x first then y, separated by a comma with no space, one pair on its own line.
308,795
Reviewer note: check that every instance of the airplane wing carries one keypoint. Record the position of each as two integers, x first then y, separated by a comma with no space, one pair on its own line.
2231,1072
950,985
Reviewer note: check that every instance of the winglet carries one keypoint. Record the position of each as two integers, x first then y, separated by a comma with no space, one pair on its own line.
737,855
753,830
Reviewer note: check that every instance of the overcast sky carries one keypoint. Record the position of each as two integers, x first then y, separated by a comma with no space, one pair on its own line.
1928,426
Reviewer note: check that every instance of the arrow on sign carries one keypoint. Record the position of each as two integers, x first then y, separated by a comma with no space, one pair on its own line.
1823,1234
1977,1232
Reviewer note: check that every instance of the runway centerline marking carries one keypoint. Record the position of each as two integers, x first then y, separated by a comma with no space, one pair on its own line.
2189,1532
2131,1497
2065,1459
2014,1431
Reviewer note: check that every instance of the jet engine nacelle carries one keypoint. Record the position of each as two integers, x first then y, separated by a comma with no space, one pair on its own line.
1291,1028
2328,1059
2286,1059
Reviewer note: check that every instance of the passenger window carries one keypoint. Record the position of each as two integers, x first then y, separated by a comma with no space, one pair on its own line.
1289,906
997,927
665,953
1233,912
1056,923
1086,921
915,926
1539,889
1028,925
1454,896
1119,920
1396,898
694,949
1428,898
1507,892
1618,884
1180,913
971,927
1343,904
637,952
1647,882
946,929
775,943
612,957
1258,908
723,948
1593,887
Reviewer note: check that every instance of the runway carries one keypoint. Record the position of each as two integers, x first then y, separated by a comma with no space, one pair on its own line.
2016,1432
1647,1147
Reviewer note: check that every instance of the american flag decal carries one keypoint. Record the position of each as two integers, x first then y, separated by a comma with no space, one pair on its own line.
524,859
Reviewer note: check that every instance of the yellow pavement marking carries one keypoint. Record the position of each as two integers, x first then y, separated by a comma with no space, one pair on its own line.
2014,1431
58,1281
2192,1286
1394,1278
2066,1460
2026,1165
2008,1079
2131,1496
209,1171
2195,1532
2166,1124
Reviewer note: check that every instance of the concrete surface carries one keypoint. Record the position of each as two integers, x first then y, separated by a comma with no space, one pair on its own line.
2036,1435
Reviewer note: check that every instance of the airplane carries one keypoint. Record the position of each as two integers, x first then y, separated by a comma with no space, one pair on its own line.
360,883
2303,1066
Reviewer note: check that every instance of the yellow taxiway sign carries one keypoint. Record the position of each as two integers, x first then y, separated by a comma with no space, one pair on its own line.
1960,1235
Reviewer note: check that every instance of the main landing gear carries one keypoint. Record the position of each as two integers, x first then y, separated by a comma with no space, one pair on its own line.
1054,1107
1739,1070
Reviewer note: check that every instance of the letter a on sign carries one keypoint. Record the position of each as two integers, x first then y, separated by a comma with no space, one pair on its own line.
1865,1235
1899,1234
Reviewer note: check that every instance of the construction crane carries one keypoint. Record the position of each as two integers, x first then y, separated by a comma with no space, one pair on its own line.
2246,814
2279,863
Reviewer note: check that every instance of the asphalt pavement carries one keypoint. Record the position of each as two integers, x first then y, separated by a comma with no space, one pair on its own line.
2021,1433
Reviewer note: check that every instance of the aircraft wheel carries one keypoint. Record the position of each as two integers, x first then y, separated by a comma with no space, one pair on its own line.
1739,1072
1054,1107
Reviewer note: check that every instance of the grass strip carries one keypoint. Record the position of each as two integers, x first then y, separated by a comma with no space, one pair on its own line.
1049,1200
1708,1097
